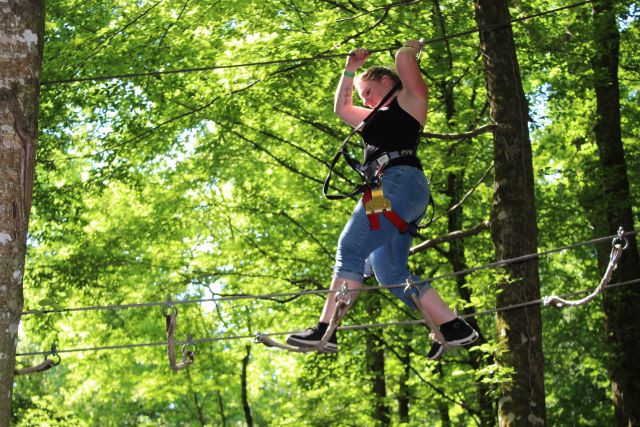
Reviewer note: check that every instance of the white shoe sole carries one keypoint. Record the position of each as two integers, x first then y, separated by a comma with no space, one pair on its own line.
465,341
328,347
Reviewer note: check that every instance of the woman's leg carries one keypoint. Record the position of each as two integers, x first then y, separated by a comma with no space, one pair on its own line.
357,241
330,302
432,305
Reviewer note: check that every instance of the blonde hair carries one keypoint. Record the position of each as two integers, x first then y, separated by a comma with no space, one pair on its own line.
376,73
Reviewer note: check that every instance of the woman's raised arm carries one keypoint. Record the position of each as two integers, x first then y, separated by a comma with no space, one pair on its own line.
343,102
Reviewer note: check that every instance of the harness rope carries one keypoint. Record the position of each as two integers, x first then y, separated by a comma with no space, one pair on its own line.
188,348
343,303
618,245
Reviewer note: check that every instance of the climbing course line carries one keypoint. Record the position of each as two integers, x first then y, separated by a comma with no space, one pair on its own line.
158,73
341,328
320,291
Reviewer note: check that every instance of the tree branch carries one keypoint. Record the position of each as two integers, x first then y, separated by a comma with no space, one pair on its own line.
466,196
464,135
459,234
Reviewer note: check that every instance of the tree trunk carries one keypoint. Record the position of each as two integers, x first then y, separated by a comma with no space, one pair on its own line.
245,394
223,418
404,392
513,221
622,317
376,366
375,362
21,44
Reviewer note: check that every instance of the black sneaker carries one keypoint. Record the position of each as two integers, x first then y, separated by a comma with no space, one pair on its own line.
312,337
436,350
456,332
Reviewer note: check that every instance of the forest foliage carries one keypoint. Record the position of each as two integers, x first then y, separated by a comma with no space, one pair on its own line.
182,150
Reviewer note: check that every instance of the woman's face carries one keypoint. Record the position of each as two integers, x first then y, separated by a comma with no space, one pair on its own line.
372,91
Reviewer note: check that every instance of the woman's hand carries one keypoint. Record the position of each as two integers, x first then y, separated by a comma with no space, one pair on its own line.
357,58
413,44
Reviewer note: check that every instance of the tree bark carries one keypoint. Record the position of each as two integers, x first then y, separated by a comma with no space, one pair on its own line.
513,221
376,366
223,418
375,362
404,392
21,46
245,394
622,317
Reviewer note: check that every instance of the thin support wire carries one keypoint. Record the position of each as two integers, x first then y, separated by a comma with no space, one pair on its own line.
305,59
342,328
323,291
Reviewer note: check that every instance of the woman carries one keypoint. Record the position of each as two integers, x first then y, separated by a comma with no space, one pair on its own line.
393,133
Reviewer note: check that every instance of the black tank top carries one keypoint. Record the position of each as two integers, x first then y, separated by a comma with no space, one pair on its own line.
391,129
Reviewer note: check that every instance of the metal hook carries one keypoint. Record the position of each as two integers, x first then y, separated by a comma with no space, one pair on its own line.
344,295
411,286
421,43
54,353
620,239
189,347
170,309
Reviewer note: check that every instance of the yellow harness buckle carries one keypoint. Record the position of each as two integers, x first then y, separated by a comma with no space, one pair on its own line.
378,203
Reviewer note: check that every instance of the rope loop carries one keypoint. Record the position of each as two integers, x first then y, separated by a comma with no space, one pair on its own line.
343,301
618,245
44,365
436,334
270,342
188,356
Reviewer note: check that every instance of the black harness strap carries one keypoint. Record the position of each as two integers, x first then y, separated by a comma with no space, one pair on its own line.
353,163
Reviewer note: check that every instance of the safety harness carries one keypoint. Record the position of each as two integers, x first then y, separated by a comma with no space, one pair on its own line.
373,197
375,204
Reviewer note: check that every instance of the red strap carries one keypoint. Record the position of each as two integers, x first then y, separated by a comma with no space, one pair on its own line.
374,221
396,220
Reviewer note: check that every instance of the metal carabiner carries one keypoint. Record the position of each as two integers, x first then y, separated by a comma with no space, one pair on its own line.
620,240
344,294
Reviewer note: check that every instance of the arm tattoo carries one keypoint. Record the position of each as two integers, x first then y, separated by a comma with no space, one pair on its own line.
347,96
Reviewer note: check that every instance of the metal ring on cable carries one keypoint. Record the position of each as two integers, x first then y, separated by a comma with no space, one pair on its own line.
170,309
54,353
344,295
620,239
189,347
411,286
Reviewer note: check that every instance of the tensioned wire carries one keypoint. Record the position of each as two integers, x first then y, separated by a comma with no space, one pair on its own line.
305,59
341,328
326,291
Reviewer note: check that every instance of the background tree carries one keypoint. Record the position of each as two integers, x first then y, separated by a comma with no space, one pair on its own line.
614,210
21,41
513,221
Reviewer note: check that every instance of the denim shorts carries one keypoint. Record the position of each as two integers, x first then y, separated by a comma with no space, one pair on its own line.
386,249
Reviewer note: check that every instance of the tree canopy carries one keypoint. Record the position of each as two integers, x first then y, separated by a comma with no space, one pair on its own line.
182,149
